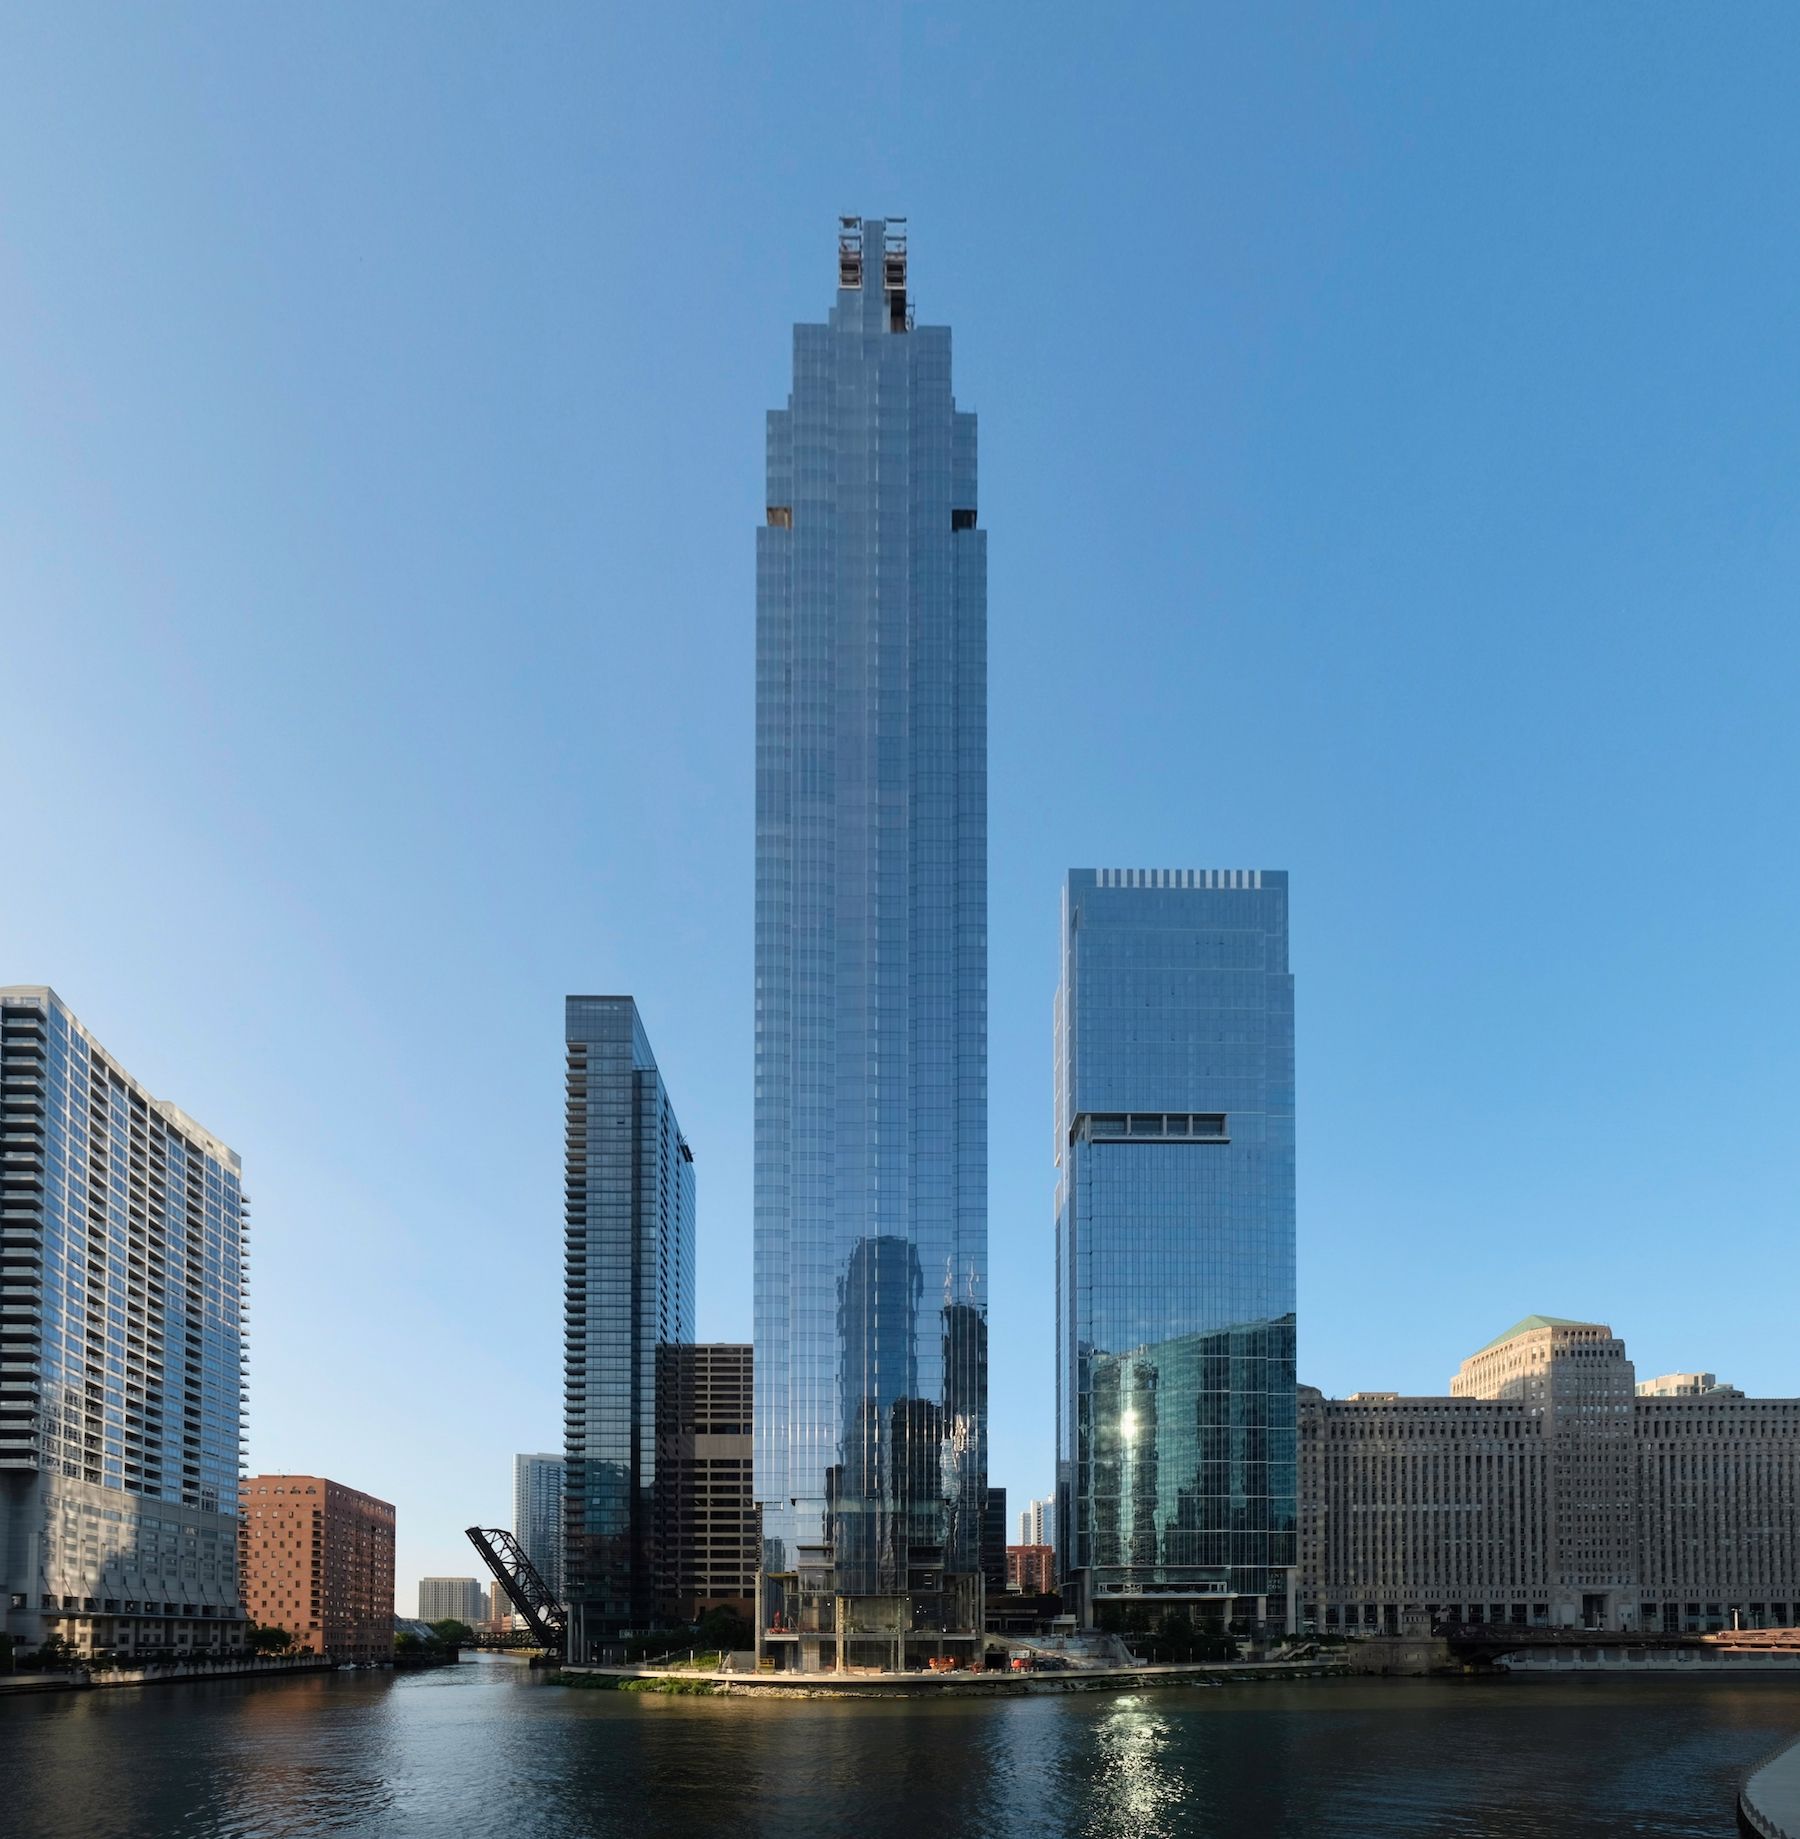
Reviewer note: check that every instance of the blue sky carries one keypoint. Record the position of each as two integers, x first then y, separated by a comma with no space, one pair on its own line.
1390,425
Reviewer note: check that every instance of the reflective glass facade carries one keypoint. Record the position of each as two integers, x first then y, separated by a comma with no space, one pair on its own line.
628,1289
122,1242
1176,1396
871,950
538,1515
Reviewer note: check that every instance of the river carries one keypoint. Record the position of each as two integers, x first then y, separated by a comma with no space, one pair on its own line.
488,1750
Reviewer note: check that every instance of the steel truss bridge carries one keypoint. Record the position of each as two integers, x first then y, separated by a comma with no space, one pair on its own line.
544,1616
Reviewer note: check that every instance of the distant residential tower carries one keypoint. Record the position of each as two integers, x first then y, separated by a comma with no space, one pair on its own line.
628,1291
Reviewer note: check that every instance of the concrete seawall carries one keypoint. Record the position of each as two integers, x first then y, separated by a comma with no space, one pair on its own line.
947,1685
1769,1801
170,1672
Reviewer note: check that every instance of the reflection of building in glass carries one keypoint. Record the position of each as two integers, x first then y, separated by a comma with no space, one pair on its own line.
538,1518
1550,1489
871,957
1175,1244
121,1351
629,1289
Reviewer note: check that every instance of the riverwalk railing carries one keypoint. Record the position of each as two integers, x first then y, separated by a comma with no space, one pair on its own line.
1769,1801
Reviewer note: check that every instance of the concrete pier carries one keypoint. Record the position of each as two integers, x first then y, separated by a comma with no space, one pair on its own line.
1769,1801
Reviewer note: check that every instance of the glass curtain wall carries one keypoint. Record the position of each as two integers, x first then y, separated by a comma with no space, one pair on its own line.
871,949
1176,1398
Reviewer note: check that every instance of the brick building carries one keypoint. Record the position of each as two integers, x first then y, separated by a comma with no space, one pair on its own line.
318,1560
1031,1569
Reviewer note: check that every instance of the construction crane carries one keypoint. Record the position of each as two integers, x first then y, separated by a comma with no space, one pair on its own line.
523,1583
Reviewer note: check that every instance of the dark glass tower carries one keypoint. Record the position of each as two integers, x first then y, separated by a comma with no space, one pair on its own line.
628,1290
1175,1244
871,952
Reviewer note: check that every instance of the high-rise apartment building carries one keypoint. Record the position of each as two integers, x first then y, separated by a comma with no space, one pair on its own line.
871,967
465,1598
706,1506
538,1515
1037,1522
319,1561
628,1290
1175,1244
122,1235
1547,1489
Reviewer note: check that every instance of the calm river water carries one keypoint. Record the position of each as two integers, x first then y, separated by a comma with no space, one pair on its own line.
489,1751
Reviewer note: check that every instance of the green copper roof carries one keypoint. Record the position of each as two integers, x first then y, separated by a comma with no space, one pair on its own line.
1535,1321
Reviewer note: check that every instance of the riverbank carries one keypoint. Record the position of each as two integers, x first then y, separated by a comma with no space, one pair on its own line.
1769,1801
726,1683
160,1673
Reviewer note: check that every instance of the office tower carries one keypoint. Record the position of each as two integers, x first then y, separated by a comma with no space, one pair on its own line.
1548,1489
628,1290
1037,1523
122,1233
500,1608
538,1516
319,1562
871,959
464,1598
993,1542
706,1506
1175,1245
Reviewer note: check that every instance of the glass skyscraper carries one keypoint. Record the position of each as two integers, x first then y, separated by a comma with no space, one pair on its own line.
628,1289
122,1254
871,966
1176,1399
538,1514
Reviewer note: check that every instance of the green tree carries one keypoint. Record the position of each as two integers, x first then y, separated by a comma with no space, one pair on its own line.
266,1640
452,1633
725,1631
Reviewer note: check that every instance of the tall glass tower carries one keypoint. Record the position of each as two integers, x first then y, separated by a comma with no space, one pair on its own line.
871,968
1176,1400
123,1252
628,1290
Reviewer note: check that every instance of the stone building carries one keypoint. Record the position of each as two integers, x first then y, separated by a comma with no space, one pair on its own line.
1546,1489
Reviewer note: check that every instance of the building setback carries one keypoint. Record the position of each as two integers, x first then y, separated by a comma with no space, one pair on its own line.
871,967
1174,1033
628,1291
318,1561
1547,1490
463,1598
538,1518
706,1509
122,1253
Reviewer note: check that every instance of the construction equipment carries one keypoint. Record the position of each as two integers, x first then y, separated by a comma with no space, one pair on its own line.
523,1583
